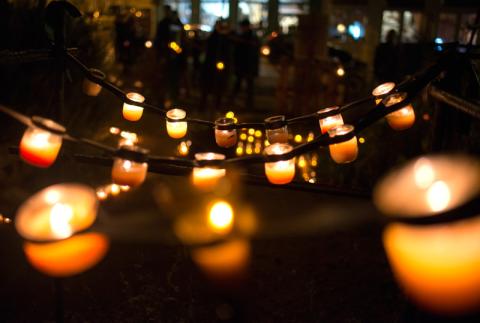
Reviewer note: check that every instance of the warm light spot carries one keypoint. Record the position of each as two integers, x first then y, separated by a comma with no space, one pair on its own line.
257,149
52,197
114,188
265,50
174,46
251,131
250,139
314,162
114,130
220,217
124,188
183,148
361,140
310,136
230,115
426,117
341,28
249,149
187,27
60,217
302,162
101,194
340,71
424,173
258,133
220,66
129,135
239,151
298,138
266,143
96,14
274,34
438,196
148,44
138,14
138,84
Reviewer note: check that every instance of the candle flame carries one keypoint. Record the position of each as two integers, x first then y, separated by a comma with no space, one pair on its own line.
40,139
60,217
220,217
438,196
424,173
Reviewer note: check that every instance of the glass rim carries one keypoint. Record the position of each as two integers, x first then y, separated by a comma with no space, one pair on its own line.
136,97
383,88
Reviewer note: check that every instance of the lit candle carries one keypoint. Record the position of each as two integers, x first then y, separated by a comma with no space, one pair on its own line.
41,142
437,265
220,217
206,178
343,152
224,260
67,257
283,171
57,212
383,89
130,166
225,135
276,129
329,118
91,88
176,128
401,119
133,112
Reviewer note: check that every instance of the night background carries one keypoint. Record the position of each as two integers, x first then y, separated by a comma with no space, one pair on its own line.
315,249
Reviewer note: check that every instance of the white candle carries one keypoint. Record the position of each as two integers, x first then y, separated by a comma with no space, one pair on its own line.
343,152
133,112
176,128
382,90
328,118
225,137
280,172
206,178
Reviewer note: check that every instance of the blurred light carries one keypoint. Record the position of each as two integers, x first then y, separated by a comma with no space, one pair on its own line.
114,189
174,46
60,216
266,143
148,44
243,136
249,150
250,139
220,217
183,148
138,14
239,151
191,34
251,131
101,194
138,84
274,34
114,130
438,196
340,71
257,149
265,50
310,136
302,162
361,140
423,173
341,28
96,14
187,27
298,138
258,133
426,117
124,188
229,114
438,40
220,66
356,30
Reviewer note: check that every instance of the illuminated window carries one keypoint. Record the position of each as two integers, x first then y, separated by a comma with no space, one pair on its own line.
288,12
212,10
411,27
390,21
255,10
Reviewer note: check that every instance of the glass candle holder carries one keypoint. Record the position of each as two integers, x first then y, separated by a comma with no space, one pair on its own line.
225,135
343,152
329,118
41,142
403,118
206,178
91,88
383,89
133,112
57,212
283,171
176,124
130,166
276,129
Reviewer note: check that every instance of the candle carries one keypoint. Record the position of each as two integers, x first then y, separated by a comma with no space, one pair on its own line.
176,128
41,142
220,217
403,118
428,185
437,265
133,112
67,257
283,171
91,88
329,118
225,135
224,260
276,129
383,89
57,212
206,178
343,152
130,166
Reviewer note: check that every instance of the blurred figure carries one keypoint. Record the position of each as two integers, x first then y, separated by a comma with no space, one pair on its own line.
125,31
217,65
387,59
246,59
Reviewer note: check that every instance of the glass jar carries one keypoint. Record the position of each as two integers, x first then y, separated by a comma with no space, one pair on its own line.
283,171
176,126
225,135
276,129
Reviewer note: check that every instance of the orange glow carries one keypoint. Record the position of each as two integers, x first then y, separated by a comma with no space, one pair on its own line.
265,50
67,257
220,217
437,265
220,66
39,147
133,112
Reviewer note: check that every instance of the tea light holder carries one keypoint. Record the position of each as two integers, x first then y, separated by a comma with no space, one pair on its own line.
130,166
225,132
403,118
91,88
329,118
435,253
133,112
41,142
176,124
276,129
57,212
282,171
382,90
345,151
206,177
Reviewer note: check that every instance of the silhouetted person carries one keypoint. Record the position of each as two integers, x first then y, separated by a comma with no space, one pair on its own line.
217,64
387,59
246,58
125,32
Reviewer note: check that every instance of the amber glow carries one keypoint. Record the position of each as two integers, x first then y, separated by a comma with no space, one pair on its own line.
381,90
67,257
437,265
174,46
265,50
280,172
343,152
133,112
206,178
220,217
176,128
39,147
60,217
220,66
340,71
126,172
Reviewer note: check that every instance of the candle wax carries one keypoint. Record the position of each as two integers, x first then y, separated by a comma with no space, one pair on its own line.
401,119
177,130
281,172
132,112
344,152
38,150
